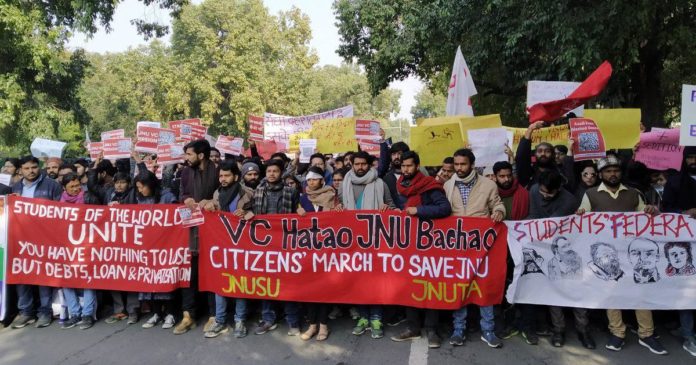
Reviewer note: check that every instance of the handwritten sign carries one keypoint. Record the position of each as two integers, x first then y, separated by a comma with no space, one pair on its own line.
488,145
280,127
659,149
334,135
436,142
555,135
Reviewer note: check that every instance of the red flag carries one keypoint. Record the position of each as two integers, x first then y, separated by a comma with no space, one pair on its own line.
591,87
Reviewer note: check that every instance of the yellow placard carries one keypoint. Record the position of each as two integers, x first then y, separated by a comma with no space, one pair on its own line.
294,140
620,127
465,123
555,135
334,135
435,142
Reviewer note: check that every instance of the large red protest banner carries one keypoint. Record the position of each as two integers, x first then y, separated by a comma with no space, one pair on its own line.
122,247
355,257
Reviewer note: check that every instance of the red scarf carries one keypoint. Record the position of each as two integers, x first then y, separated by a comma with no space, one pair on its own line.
520,200
419,184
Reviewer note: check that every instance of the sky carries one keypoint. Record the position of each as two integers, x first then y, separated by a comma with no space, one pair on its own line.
325,39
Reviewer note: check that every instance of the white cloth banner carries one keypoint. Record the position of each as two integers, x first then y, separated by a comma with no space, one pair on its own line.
687,135
280,127
604,261
461,88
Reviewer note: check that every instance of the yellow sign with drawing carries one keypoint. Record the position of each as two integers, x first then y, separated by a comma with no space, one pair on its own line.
435,142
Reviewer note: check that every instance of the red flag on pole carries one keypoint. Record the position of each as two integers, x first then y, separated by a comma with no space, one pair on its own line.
591,87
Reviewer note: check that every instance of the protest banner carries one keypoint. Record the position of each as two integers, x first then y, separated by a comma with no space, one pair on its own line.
170,154
659,149
95,149
543,91
3,257
187,130
588,141
190,217
122,247
150,137
255,128
113,149
280,127
294,140
555,135
334,135
440,264
687,137
370,146
114,134
307,148
604,260
231,145
620,127
367,129
147,123
465,123
488,145
434,143
42,147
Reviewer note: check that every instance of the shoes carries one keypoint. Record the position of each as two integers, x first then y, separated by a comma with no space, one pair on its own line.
187,323
240,329
116,317
152,321
434,341
543,331
216,330
457,338
491,339
406,335
376,328
86,323
22,320
44,320
336,312
323,332
209,325
354,314
361,326
294,331
508,333
653,344
615,343
169,322
557,339
264,327
690,346
310,332
396,321
70,323
586,340
133,318
530,338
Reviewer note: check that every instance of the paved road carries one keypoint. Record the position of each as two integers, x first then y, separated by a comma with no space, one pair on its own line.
122,344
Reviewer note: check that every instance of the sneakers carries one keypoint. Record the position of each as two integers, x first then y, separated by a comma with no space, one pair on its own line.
354,314
376,328
457,338
264,327
653,344
557,339
169,322
187,323
491,339
543,331
361,326
22,320
434,341
530,338
690,346
323,332
406,335
294,331
216,330
116,317
152,321
240,329
86,323
508,333
615,343
209,325
586,340
133,318
336,312
396,321
44,320
70,323
310,332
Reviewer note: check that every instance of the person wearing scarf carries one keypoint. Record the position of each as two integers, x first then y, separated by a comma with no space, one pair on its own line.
514,196
272,197
232,197
425,199
80,315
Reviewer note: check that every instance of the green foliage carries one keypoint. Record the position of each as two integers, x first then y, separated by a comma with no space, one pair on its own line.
429,104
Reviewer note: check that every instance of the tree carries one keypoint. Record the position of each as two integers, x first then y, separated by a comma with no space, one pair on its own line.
506,43
429,104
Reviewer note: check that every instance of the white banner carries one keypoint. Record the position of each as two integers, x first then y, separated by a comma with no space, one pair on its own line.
280,127
488,145
687,136
604,261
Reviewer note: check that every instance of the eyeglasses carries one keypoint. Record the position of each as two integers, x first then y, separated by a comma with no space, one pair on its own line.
589,174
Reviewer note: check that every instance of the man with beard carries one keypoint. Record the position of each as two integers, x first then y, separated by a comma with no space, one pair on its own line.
514,197
471,195
426,200
390,168
643,255
605,262
680,197
231,196
362,189
199,181
528,172
53,167
612,196
251,175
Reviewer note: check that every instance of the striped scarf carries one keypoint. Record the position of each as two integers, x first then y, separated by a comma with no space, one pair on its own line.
261,201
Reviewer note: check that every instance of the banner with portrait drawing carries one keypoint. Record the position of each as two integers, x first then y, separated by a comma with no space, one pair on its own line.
605,260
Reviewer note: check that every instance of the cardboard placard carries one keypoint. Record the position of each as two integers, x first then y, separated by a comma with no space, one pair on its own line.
230,145
114,134
42,147
115,149
149,138
170,154
588,141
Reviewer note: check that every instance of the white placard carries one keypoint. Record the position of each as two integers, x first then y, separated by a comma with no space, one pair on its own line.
307,148
687,134
543,91
488,145
6,179
42,147
147,123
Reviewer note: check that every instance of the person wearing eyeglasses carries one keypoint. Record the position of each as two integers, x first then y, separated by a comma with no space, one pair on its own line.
588,179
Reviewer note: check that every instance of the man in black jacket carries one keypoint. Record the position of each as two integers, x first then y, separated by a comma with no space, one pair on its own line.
390,168
528,172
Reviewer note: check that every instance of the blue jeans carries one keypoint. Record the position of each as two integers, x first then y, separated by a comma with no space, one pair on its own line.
25,302
371,312
90,302
686,321
291,313
240,309
487,319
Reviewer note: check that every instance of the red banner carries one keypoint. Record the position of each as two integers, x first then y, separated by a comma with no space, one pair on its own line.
122,247
355,257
